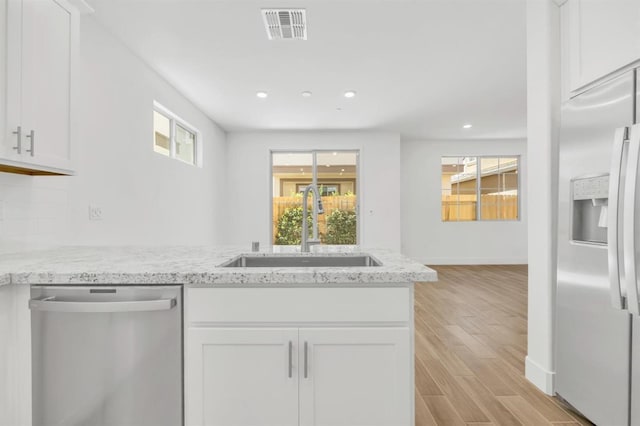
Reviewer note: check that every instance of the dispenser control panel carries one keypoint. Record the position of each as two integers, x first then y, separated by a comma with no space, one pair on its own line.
591,188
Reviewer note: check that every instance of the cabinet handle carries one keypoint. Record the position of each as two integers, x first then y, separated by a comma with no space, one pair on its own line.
306,360
18,146
290,359
32,137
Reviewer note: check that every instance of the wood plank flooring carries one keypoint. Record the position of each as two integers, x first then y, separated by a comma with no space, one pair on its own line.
471,342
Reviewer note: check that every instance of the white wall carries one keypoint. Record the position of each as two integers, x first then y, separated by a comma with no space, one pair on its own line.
543,104
146,198
426,238
249,180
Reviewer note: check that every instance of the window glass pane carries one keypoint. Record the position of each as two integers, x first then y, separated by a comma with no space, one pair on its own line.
337,182
291,173
499,188
459,188
161,134
185,145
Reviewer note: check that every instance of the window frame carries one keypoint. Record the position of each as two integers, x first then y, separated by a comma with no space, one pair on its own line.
314,180
478,178
175,120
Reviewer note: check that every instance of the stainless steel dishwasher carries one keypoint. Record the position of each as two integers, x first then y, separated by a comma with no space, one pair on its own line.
107,356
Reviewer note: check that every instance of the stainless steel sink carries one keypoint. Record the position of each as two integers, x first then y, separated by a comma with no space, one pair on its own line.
248,261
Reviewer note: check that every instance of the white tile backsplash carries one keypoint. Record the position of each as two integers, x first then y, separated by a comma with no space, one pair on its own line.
33,210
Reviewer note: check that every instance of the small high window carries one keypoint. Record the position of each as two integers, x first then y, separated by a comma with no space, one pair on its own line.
174,138
480,188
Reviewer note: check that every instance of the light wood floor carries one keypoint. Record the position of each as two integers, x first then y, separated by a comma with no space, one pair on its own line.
471,342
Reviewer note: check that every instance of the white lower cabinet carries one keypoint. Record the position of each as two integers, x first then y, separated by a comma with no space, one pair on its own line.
241,377
299,376
15,356
299,356
355,377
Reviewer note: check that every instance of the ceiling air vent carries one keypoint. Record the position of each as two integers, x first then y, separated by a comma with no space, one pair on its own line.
285,24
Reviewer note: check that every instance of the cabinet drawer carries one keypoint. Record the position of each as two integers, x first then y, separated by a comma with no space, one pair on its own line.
346,304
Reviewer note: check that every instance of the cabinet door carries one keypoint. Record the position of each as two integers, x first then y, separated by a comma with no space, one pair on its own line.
13,87
242,377
355,377
46,83
602,36
15,355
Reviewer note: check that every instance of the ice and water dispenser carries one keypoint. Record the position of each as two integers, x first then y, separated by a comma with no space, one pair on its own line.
590,196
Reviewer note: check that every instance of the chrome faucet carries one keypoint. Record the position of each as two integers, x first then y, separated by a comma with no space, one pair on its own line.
317,209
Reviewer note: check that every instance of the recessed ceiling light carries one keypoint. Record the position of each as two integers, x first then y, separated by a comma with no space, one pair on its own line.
467,126
306,94
335,153
262,95
349,94
327,165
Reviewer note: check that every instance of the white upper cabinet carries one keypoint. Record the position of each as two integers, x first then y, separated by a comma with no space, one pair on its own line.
599,37
41,49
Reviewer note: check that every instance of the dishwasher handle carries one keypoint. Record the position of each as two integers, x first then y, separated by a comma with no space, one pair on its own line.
50,304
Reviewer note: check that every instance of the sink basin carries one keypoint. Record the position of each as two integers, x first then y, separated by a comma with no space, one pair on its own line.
248,261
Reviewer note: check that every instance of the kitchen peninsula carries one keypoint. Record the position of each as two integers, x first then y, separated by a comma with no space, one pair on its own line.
266,345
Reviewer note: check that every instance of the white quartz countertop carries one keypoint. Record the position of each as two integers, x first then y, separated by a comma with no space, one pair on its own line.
197,265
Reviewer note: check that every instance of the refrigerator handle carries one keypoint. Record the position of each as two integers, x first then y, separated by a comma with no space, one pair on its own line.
617,298
629,220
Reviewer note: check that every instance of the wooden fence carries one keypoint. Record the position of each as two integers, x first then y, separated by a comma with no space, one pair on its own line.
330,203
493,207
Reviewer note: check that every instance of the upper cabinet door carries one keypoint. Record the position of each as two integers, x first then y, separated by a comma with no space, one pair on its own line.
355,377
599,37
41,50
46,82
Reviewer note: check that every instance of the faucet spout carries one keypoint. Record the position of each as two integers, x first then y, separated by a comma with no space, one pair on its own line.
317,208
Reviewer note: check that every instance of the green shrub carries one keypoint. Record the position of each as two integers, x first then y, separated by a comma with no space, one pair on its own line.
289,228
341,227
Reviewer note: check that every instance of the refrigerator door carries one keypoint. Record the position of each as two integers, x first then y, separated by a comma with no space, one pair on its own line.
107,356
635,373
592,336
635,349
631,224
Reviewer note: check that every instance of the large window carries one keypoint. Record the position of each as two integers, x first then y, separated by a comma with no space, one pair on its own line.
174,138
480,188
336,175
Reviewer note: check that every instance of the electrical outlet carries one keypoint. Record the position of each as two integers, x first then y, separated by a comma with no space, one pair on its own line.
95,212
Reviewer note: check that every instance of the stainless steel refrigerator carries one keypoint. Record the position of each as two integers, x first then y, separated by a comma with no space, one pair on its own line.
597,323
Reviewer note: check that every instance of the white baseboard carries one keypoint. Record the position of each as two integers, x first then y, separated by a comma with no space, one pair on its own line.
542,378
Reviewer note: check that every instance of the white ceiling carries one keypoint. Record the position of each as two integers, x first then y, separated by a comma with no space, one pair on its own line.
420,67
